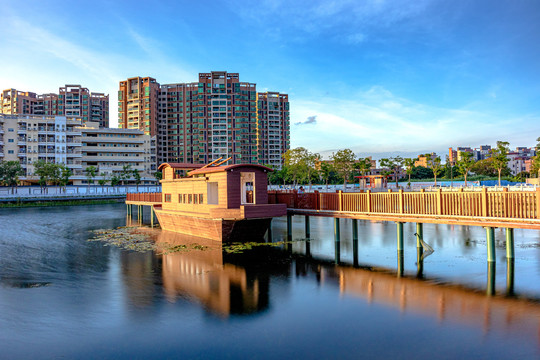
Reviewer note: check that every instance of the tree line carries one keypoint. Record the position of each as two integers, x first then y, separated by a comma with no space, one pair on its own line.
301,166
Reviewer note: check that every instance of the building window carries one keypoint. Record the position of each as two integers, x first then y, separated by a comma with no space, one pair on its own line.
190,199
167,197
10,151
201,199
10,140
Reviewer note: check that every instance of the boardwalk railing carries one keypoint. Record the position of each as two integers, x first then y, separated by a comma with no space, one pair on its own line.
499,204
144,197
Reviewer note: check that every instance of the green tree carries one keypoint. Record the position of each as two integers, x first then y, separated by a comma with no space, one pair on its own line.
65,174
325,172
409,166
343,163
158,175
465,164
484,167
137,177
104,179
91,172
115,180
435,166
126,174
420,172
499,158
9,173
535,166
363,165
393,164
295,162
44,171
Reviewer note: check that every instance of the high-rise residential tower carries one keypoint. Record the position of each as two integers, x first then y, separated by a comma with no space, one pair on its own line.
137,104
72,101
202,121
273,128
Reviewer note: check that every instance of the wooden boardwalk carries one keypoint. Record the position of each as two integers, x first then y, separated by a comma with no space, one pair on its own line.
481,208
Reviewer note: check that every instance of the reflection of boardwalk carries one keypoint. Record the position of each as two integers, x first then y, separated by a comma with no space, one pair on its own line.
447,303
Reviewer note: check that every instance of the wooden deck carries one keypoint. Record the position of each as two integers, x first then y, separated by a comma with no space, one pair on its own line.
482,208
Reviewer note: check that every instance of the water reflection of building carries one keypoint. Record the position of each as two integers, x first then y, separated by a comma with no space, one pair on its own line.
222,288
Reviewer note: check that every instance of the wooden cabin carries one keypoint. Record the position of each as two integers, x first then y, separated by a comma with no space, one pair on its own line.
216,201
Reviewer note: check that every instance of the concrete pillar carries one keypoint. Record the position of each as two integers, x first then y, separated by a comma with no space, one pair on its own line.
490,235
490,289
152,216
337,233
308,248
509,243
355,250
308,233
419,235
399,236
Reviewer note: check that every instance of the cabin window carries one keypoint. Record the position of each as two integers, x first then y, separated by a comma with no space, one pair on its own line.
247,186
185,198
190,199
201,199
195,199
180,198
212,191
167,197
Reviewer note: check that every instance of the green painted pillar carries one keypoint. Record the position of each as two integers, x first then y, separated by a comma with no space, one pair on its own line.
510,276
400,263
509,243
289,227
308,233
337,233
355,229
419,262
400,236
355,251
419,235
308,248
490,289
337,251
490,234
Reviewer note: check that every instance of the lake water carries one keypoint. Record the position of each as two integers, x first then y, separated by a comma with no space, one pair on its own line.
62,296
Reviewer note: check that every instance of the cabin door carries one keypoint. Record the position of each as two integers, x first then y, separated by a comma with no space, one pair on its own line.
247,187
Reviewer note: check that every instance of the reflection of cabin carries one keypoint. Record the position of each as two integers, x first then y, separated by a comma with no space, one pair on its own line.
210,194
373,181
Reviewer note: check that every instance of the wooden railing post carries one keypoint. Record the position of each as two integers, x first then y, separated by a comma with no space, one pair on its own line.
505,203
368,201
484,202
295,199
317,200
538,203
439,201
340,194
401,210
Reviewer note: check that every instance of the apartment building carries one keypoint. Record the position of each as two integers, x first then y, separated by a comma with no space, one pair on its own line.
65,140
72,101
109,150
137,104
202,121
425,159
29,138
273,135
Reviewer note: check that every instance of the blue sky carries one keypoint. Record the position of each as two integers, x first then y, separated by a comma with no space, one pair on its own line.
380,77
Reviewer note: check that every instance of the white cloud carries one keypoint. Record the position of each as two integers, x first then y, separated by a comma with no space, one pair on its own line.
377,121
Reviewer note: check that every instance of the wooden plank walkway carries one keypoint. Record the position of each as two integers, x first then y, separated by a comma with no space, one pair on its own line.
491,209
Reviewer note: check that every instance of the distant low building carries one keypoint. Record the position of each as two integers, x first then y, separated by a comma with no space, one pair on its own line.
425,159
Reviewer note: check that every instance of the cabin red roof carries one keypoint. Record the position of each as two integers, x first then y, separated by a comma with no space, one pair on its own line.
214,169
181,166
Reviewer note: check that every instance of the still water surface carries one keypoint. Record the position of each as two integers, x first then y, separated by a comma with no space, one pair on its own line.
62,296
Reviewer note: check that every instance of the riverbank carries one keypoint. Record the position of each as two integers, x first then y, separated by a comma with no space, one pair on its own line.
23,203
